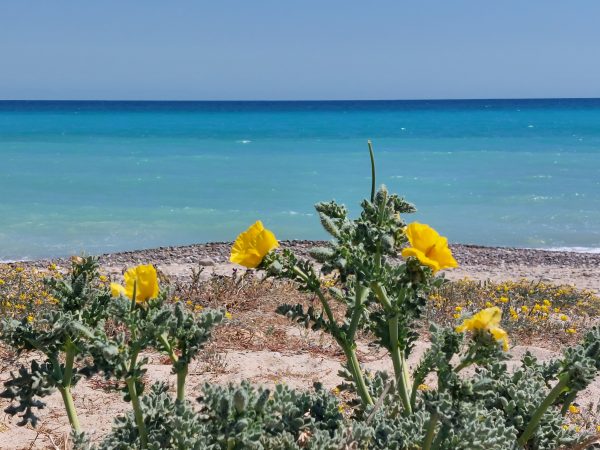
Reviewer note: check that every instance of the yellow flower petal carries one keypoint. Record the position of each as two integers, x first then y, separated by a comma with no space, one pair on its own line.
487,319
145,280
251,246
501,336
117,290
428,247
411,251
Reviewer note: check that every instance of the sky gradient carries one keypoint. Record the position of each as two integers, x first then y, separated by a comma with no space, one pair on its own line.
309,49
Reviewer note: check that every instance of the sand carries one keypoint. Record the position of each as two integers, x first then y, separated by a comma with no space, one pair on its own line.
97,407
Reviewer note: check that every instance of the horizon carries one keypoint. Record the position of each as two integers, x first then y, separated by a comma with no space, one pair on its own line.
482,99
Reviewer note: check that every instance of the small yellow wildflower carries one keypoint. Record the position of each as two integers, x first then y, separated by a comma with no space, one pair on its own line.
30,318
423,387
563,318
503,299
19,269
574,409
458,309
251,246
335,391
144,279
228,315
103,278
428,247
571,331
2,281
537,307
547,302
524,308
488,304
487,319
456,315
52,267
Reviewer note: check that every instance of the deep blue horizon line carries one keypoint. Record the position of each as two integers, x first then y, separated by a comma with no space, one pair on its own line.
297,100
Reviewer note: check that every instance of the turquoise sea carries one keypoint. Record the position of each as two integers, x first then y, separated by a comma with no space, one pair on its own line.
109,176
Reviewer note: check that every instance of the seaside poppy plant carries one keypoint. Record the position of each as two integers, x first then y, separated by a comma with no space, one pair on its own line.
251,246
428,247
144,279
487,319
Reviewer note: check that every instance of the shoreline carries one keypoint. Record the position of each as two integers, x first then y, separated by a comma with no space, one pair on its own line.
581,270
466,254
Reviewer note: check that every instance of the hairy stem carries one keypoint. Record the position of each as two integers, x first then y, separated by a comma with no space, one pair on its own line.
430,431
65,392
180,370
65,387
357,375
343,341
137,412
359,298
372,156
560,387
400,366
181,376
568,400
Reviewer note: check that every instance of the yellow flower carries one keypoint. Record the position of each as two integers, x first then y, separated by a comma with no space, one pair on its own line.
563,318
458,309
428,247
524,308
423,387
145,280
571,331
487,319
103,278
503,300
573,409
30,318
228,315
488,304
2,281
251,246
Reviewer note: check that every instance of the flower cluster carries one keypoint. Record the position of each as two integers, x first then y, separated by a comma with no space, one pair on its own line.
530,308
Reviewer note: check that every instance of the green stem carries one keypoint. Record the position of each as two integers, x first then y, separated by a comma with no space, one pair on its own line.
344,342
335,330
372,156
65,387
181,371
137,412
560,387
70,407
360,296
357,375
568,400
181,376
430,431
400,366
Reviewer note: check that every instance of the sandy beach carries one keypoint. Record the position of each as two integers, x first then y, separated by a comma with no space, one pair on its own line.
281,351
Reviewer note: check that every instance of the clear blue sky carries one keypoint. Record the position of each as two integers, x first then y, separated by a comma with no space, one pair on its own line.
299,49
